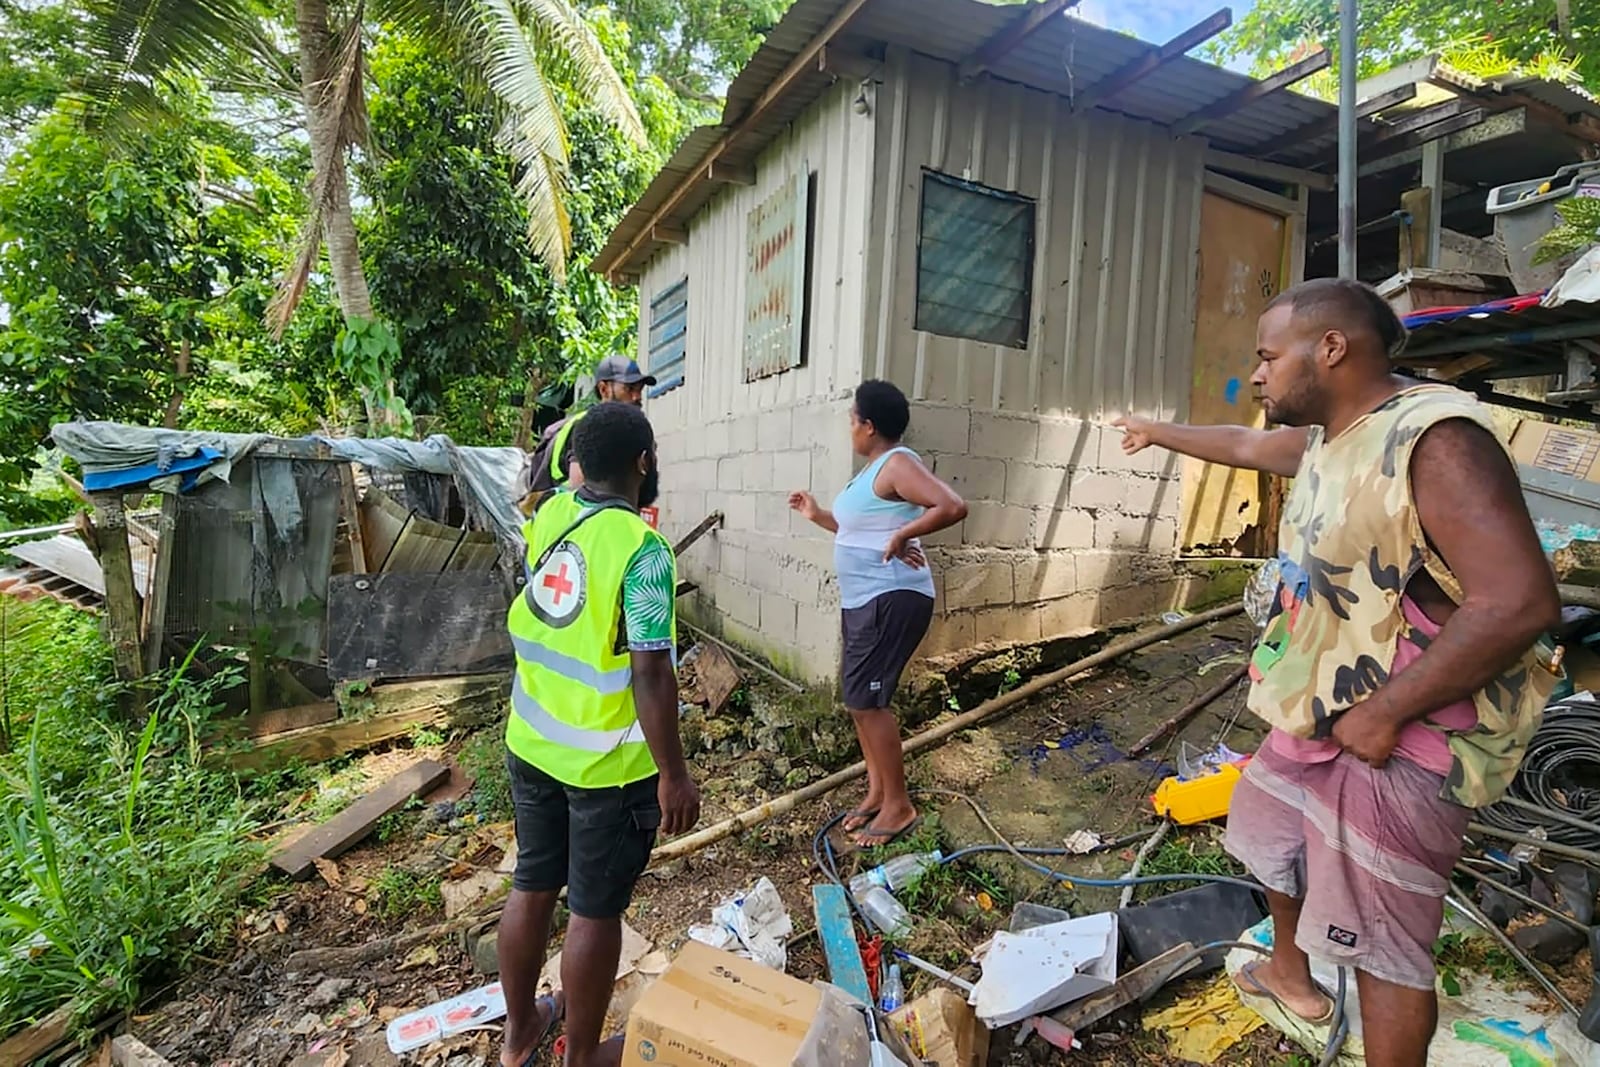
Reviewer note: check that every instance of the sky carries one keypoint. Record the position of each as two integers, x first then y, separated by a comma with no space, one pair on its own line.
1159,20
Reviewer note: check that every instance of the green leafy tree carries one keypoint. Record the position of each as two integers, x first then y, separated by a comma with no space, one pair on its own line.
518,50
483,319
1552,38
697,46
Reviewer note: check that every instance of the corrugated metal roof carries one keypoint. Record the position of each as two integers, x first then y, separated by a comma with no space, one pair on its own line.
1507,345
34,583
1065,55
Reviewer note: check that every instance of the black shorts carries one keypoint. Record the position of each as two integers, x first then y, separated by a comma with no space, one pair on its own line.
879,639
596,842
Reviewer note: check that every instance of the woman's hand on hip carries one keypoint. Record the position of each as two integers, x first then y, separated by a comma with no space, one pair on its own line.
906,550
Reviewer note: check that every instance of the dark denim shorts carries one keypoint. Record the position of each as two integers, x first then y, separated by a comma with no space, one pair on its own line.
596,842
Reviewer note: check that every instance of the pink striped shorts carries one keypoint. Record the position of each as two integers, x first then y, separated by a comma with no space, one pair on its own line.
1369,851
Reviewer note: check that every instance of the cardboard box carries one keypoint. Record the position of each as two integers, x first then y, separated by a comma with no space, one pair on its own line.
942,1027
713,1009
1558,449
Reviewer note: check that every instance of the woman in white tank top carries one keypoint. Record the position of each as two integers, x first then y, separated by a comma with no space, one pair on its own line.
885,591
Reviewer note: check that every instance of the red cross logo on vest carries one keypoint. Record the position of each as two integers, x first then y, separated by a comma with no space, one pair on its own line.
560,587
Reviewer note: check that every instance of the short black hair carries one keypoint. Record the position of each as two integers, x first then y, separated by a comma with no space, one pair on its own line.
1336,303
885,406
610,439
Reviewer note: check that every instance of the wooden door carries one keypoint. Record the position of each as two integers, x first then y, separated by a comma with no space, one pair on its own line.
1243,251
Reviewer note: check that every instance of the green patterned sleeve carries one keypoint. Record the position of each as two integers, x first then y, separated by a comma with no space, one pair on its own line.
649,597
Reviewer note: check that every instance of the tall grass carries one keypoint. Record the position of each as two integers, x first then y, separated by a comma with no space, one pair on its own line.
121,855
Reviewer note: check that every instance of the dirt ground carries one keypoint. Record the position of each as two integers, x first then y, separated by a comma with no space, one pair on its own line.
1052,767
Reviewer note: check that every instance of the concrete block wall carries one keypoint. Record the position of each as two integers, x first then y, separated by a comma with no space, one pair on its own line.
766,577
1063,531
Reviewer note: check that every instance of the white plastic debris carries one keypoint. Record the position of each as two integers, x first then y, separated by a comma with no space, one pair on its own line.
1082,842
1036,971
753,924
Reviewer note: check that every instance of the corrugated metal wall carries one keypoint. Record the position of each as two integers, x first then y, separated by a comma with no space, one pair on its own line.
1115,258
837,143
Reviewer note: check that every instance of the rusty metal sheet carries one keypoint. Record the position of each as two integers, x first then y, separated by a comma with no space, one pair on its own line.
775,279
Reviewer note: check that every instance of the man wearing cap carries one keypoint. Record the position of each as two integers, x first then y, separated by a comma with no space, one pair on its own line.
553,464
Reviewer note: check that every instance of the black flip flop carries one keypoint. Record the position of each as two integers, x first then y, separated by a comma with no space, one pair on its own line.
883,838
1256,989
558,1015
860,813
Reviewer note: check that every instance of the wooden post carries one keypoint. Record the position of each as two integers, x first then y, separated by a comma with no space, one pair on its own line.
122,598
155,604
352,517
1417,240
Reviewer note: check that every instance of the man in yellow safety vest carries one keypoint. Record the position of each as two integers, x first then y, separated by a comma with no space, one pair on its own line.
552,464
596,764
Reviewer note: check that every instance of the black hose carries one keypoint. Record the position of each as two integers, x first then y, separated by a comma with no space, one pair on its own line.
1096,883
1558,776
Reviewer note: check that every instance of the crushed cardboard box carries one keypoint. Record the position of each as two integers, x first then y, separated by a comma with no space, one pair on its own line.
714,1009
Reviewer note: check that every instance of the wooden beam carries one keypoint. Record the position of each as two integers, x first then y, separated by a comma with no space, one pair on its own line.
707,524
1108,87
155,605
1251,93
1406,75
1006,41
122,597
669,235
346,829
800,66
1245,193
1421,119
351,507
1464,131
1217,159
129,1051
1415,239
1312,130
728,174
27,1045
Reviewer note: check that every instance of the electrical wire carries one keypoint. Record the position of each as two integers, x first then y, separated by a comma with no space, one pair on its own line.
1553,792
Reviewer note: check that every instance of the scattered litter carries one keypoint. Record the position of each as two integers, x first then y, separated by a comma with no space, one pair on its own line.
635,947
1029,916
421,956
1032,972
754,924
1203,1026
470,1010
1203,787
1082,842
1172,618
329,871
941,1027
461,896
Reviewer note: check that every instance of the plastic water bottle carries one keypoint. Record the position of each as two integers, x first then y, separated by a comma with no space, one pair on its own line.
885,912
893,994
897,874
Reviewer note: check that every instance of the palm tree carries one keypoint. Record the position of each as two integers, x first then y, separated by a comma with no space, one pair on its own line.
516,49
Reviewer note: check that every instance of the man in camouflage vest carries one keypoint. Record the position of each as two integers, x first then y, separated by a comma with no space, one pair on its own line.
1400,669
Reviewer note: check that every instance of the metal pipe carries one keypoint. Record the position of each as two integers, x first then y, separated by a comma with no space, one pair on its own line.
35,531
1582,855
1348,62
1522,898
1470,910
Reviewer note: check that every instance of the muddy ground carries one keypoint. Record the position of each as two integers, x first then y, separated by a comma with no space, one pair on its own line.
1051,767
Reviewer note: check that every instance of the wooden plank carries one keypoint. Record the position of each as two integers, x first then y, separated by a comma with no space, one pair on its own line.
25,1046
1006,41
155,604
129,1051
257,725
387,712
707,524
350,511
1416,239
1260,168
122,601
1461,132
346,829
837,932
1421,119
1107,88
715,677
404,625
1242,99
1133,986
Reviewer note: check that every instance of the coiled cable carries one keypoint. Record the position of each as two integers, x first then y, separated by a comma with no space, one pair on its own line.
1555,791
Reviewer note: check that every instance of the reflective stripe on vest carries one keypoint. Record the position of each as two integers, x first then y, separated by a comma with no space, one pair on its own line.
604,682
558,473
561,733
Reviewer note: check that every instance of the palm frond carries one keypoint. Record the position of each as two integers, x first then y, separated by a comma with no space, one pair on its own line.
534,134
136,46
564,33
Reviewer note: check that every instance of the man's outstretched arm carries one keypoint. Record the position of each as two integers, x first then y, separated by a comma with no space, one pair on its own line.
1273,451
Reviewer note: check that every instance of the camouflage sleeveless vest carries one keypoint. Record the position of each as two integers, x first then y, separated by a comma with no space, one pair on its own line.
1349,543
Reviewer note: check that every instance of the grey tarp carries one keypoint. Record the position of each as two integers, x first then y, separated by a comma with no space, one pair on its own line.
487,477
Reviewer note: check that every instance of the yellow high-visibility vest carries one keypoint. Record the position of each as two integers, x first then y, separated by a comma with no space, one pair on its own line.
572,709
558,473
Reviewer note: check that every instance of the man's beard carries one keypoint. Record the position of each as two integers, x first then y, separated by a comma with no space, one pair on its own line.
650,488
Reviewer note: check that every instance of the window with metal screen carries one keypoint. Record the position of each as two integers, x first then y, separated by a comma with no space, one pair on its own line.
669,325
974,261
